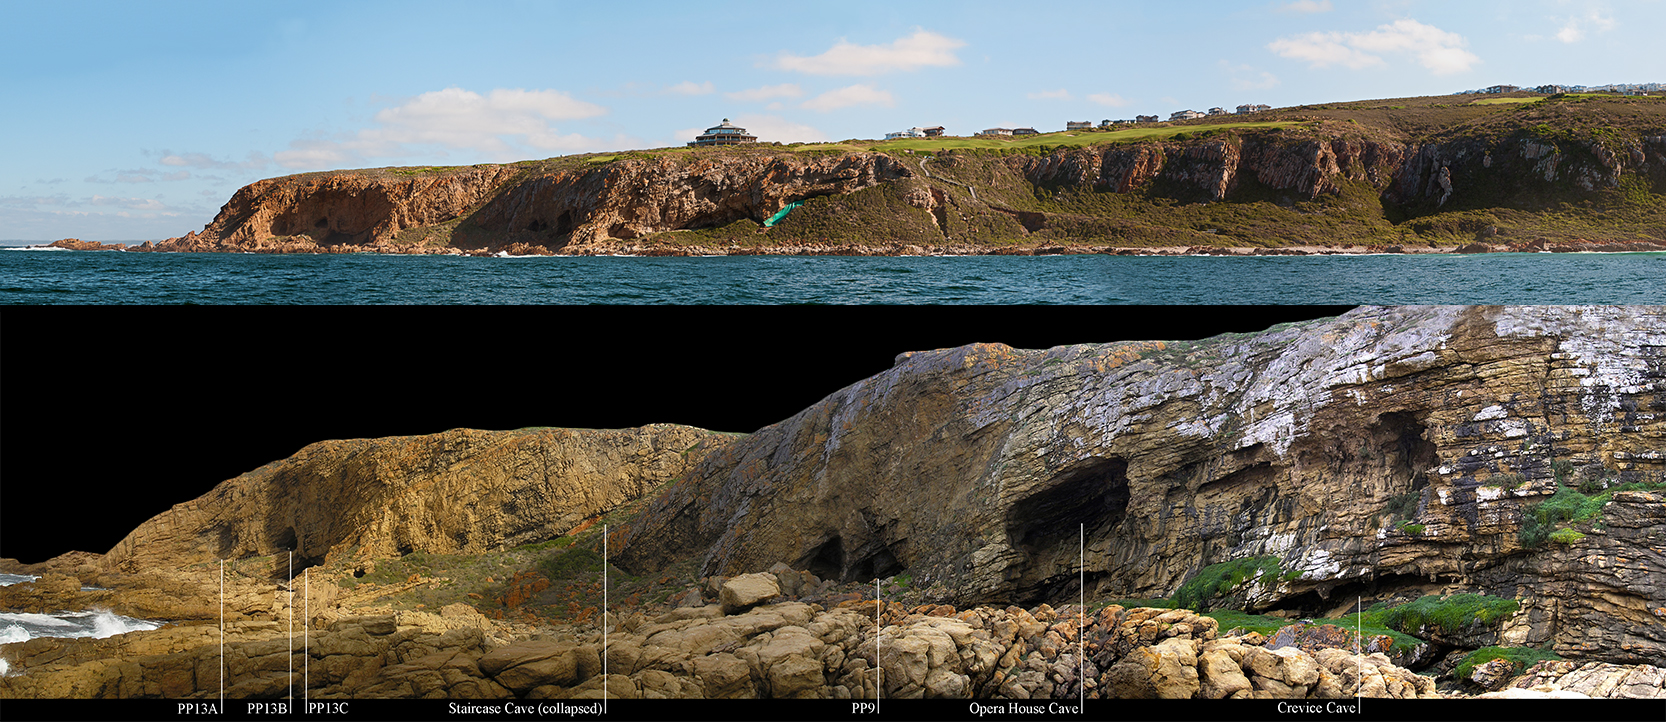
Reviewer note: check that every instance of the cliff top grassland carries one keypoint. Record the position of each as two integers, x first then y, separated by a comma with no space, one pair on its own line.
1520,171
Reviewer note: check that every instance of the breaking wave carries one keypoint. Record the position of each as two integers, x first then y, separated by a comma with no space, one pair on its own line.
98,624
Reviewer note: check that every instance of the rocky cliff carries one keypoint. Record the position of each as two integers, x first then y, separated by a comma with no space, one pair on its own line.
568,206
459,491
1555,171
977,470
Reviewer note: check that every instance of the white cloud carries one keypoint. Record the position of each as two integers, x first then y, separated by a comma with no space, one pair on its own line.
1574,28
1244,77
138,204
1110,99
774,128
254,161
500,124
1060,94
689,87
920,50
1307,6
784,90
846,97
1440,51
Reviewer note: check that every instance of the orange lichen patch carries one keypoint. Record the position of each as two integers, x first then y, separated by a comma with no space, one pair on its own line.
586,524
522,588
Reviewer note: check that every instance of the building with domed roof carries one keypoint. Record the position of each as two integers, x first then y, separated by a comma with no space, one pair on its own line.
724,134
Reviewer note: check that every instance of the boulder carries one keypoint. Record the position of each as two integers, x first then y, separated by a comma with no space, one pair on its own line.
746,591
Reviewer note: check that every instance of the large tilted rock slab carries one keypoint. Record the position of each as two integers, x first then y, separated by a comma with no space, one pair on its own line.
975,470
1594,679
461,491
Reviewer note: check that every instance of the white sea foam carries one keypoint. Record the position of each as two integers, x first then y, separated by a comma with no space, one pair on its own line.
39,620
13,633
7,580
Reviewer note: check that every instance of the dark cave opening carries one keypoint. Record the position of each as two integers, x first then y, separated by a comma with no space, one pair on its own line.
827,561
1359,594
1093,492
536,226
880,563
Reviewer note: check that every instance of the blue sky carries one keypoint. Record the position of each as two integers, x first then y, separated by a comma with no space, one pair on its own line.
137,120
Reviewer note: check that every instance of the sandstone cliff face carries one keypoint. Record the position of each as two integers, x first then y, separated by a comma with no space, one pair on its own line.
975,469
315,210
459,491
1216,168
620,200
633,198
1436,173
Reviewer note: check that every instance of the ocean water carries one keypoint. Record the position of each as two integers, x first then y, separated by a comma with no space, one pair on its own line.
107,277
100,623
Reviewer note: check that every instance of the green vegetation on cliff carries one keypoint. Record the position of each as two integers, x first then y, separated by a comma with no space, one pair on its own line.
1218,580
1451,614
1520,658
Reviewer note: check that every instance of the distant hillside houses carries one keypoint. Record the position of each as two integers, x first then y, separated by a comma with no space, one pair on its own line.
1078,124
1246,109
995,131
1621,88
931,132
1145,118
1185,115
1025,131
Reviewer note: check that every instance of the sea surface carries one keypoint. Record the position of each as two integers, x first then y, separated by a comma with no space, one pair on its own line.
110,277
22,626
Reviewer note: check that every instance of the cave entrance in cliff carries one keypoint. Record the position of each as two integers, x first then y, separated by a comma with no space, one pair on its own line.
284,567
1341,599
827,561
1046,526
881,562
1093,492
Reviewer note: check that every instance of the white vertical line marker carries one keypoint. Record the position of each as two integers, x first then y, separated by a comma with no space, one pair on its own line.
1359,652
222,636
1081,621
291,582
306,636
879,669
603,619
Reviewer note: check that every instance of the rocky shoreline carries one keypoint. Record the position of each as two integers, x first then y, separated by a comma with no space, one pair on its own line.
632,249
749,637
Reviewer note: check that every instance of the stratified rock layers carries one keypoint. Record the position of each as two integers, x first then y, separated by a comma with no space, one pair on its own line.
459,491
976,469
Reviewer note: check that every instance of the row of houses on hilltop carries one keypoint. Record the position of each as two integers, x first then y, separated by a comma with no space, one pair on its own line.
1245,109
1621,88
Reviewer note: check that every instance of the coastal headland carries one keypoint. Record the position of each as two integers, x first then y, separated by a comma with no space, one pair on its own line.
1519,172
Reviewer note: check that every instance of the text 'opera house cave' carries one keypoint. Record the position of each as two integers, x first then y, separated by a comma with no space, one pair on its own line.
724,134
